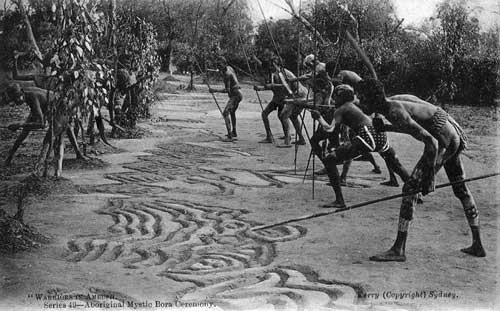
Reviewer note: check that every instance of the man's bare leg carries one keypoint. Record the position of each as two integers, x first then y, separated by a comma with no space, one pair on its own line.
397,251
393,180
227,121
265,120
72,139
394,166
43,152
330,162
48,147
345,170
298,130
413,183
228,127
283,116
455,171
17,143
369,157
233,121
59,154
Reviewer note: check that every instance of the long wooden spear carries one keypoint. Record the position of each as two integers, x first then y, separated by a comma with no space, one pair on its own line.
340,210
208,85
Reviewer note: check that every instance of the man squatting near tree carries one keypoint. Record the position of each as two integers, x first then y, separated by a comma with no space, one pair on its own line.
444,140
232,88
366,140
47,82
280,91
38,102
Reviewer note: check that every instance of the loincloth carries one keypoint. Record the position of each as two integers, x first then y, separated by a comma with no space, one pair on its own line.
373,140
439,119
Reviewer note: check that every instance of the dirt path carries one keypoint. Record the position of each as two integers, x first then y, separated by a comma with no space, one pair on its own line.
166,223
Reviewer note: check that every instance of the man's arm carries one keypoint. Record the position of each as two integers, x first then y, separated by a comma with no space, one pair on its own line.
406,124
216,90
317,116
269,87
301,78
211,90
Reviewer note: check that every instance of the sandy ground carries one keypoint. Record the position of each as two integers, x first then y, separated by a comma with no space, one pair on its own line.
166,224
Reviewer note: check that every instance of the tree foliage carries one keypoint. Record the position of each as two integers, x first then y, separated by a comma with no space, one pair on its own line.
448,59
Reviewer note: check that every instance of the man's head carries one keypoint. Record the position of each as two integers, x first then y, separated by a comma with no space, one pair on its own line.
15,94
309,61
342,94
221,63
370,93
274,64
270,61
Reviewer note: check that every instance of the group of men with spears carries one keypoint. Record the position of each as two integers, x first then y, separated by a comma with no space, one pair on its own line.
344,105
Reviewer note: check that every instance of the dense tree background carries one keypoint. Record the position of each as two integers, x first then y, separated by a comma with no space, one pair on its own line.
448,59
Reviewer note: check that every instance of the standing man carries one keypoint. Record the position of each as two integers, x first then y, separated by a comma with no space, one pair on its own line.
232,88
318,79
281,90
366,139
444,140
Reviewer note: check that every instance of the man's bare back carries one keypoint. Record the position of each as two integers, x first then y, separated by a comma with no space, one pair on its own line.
352,116
444,140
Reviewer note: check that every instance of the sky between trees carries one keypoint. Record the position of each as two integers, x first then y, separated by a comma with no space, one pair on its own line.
413,11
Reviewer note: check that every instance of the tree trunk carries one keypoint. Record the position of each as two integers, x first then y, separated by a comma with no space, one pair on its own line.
29,31
169,52
191,81
112,94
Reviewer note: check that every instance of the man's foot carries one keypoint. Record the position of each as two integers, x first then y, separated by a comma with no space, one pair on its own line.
377,170
334,204
475,250
390,183
229,140
390,255
234,134
282,137
299,142
266,141
343,182
284,146
321,172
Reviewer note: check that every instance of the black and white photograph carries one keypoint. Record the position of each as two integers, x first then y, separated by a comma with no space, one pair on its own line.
248,155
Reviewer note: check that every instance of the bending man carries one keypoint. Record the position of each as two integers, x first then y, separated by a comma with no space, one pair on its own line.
444,140
366,140
36,99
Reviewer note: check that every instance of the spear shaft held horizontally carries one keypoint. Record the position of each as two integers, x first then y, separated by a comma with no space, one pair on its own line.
358,205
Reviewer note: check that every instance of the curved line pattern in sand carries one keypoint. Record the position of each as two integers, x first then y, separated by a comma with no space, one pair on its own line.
208,246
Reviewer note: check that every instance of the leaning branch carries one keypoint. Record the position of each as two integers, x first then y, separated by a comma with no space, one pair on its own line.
361,54
292,11
29,30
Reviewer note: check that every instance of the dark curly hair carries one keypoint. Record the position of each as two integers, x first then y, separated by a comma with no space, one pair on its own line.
343,93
